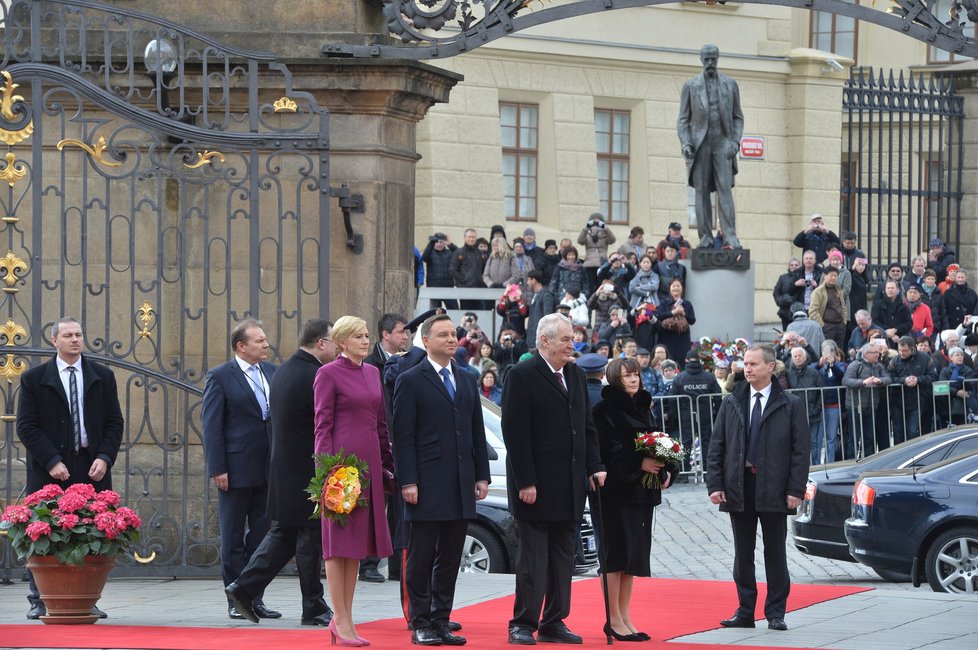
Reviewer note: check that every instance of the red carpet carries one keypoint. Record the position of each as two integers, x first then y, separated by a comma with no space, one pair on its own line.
664,608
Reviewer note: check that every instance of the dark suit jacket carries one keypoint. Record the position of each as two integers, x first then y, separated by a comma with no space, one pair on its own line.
293,439
236,439
694,114
44,419
439,444
550,440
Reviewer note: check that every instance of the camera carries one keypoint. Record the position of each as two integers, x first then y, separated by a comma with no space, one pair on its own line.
507,338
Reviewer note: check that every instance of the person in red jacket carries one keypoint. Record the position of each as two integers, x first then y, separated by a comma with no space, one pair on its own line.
923,322
512,308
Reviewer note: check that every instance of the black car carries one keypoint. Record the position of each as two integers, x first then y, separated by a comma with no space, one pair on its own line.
491,540
818,527
920,521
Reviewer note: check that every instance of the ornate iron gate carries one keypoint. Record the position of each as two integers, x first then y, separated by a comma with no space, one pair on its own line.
902,166
158,186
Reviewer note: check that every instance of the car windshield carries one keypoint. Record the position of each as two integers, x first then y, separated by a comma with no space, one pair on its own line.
494,427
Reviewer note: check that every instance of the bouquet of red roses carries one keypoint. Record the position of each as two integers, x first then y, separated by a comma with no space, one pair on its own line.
659,447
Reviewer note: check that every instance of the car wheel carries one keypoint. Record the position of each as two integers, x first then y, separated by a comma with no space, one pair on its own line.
893,576
952,562
482,552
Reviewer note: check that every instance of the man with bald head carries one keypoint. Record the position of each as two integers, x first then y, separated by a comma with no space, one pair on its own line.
710,126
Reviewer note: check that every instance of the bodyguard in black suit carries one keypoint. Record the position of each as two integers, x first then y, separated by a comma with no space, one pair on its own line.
293,533
757,469
237,438
61,448
551,452
442,468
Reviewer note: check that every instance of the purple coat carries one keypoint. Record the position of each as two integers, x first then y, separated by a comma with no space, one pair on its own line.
350,414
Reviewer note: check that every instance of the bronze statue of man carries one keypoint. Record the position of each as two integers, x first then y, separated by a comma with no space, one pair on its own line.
710,126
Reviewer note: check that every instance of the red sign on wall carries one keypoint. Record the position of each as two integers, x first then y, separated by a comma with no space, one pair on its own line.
752,147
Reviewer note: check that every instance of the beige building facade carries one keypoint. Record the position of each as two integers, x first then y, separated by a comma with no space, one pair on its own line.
568,80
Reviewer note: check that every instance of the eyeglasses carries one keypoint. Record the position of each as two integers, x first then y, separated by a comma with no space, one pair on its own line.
327,339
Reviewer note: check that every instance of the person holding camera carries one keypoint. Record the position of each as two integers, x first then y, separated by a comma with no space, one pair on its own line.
603,301
507,351
618,270
595,237
513,309
437,258
815,237
470,335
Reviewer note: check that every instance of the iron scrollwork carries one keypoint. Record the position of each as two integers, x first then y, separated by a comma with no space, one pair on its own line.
432,29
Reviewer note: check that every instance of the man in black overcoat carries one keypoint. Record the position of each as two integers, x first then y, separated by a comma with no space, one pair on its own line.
60,448
442,467
235,414
551,453
757,470
293,532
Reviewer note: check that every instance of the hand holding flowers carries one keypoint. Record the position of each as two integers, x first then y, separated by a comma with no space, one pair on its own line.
338,487
661,449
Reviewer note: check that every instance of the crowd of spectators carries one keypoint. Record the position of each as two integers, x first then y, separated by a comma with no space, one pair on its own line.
867,354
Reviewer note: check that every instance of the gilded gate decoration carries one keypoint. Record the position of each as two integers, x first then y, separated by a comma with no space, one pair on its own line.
158,186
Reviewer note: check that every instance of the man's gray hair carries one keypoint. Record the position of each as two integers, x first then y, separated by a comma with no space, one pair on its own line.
800,349
61,321
829,345
869,346
767,351
548,326
955,350
862,313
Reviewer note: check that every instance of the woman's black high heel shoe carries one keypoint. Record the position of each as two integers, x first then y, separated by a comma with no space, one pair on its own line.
642,636
608,630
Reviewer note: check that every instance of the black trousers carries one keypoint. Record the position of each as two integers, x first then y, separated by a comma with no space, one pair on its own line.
243,515
282,543
774,531
433,558
544,568
78,465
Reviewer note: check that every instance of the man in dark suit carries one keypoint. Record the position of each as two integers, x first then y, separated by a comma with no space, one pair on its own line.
237,437
757,469
70,423
293,533
710,126
551,451
393,337
442,468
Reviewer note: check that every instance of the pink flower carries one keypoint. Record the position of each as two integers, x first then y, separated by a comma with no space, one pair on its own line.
86,520
67,521
108,496
129,517
46,493
72,501
109,523
38,529
98,506
17,514
86,490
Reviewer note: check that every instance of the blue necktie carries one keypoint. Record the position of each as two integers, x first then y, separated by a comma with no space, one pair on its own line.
256,384
447,378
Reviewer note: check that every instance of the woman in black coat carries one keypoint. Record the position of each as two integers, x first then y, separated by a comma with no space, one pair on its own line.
786,293
626,504
678,343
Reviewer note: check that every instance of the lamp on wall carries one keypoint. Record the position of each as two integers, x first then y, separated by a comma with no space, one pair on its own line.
160,59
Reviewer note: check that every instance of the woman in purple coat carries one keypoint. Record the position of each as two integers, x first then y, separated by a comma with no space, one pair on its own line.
350,415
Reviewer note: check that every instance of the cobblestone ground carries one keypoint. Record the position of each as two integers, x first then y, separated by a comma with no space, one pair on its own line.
692,540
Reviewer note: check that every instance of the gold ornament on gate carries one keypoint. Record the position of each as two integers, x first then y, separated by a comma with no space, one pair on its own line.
146,315
7,101
205,158
12,334
13,269
97,152
285,105
12,171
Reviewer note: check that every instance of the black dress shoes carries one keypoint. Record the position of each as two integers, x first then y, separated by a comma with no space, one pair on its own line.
444,633
98,612
318,619
264,612
425,636
737,620
521,636
557,635
241,605
454,626
777,624
371,574
37,611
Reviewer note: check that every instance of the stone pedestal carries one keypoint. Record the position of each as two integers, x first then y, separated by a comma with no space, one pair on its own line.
723,299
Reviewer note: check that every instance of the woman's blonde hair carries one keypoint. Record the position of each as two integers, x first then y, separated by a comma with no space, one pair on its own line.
346,327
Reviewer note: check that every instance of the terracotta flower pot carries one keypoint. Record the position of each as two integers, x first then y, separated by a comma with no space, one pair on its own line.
69,592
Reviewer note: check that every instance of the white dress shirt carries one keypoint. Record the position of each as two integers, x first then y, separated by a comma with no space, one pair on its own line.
63,373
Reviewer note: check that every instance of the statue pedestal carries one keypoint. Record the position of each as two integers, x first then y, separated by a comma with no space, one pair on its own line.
721,289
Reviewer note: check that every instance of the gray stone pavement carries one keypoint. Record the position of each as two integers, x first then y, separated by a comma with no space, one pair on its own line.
692,541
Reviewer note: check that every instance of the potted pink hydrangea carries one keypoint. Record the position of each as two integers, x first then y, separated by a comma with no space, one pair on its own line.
70,538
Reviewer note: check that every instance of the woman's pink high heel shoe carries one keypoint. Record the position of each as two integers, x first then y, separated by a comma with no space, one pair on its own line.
334,636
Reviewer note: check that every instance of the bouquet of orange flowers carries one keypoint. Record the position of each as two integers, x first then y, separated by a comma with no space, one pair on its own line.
338,487
659,447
